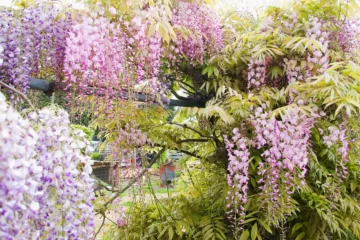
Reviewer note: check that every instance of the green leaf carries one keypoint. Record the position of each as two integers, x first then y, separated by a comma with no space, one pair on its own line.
244,235
216,72
296,227
164,33
264,225
171,233
353,185
248,220
300,236
254,231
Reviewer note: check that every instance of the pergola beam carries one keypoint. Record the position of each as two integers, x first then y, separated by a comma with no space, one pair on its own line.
48,87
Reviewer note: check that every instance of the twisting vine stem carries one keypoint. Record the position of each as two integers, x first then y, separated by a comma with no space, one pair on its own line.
18,92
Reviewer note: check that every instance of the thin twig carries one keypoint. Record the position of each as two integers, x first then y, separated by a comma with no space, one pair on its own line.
18,92
102,224
192,140
192,129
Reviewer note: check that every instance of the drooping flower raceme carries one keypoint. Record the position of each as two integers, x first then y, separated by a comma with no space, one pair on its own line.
286,156
94,57
66,203
205,28
32,41
238,154
338,136
319,56
19,175
348,35
256,73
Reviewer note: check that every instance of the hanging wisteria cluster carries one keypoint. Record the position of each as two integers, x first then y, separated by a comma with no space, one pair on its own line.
348,35
125,151
320,55
19,175
286,157
66,203
205,32
46,189
94,56
32,41
285,147
237,178
337,136
257,73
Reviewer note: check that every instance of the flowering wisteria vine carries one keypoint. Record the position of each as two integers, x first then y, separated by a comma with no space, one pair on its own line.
338,135
66,203
205,32
257,73
348,35
238,154
46,189
286,154
19,175
32,41
284,146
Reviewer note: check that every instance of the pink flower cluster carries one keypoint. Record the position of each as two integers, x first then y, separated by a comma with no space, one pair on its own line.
348,35
318,56
95,57
257,73
292,21
338,136
125,149
104,58
205,32
285,147
145,54
286,155
293,70
238,154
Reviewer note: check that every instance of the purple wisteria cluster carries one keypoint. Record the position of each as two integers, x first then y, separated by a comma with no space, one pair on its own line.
256,73
130,139
318,56
313,62
348,35
237,178
293,70
205,32
286,156
285,147
66,203
145,52
105,58
45,184
1,55
19,176
337,136
32,41
293,19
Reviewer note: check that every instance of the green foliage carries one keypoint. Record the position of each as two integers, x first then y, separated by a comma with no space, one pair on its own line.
95,156
324,207
197,214
89,133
